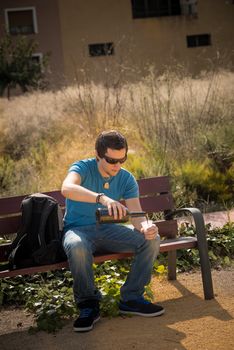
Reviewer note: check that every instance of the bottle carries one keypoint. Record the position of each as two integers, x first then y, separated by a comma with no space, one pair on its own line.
103,217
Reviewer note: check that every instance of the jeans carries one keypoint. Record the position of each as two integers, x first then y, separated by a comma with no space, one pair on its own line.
82,242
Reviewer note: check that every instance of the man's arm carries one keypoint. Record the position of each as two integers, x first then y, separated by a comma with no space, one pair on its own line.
72,189
133,204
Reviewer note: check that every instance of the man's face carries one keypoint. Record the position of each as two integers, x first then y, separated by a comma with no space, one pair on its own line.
105,164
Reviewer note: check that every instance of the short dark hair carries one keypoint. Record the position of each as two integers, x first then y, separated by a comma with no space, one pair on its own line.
110,139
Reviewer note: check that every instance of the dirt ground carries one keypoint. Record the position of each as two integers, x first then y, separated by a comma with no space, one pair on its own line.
189,322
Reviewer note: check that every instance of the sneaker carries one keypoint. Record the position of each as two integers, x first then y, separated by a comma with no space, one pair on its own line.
140,307
89,315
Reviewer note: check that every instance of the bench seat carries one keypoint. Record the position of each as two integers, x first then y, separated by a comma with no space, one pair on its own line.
165,246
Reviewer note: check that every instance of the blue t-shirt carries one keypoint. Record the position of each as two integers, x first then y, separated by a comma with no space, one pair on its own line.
121,186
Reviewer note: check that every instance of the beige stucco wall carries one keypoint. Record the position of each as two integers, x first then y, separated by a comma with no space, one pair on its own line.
140,42
66,27
48,36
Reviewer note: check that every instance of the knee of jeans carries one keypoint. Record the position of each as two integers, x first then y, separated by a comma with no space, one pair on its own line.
154,244
76,247
80,254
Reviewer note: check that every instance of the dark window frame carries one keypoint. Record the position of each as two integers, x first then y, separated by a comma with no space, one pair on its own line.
21,29
37,58
101,49
198,40
155,8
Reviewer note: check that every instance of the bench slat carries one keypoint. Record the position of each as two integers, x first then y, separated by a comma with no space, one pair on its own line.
178,243
10,225
154,185
11,205
157,204
167,228
165,246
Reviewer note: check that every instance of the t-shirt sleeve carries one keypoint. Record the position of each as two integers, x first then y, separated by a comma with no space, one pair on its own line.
131,189
81,168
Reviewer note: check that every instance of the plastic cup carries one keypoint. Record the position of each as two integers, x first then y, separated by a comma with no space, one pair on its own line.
146,224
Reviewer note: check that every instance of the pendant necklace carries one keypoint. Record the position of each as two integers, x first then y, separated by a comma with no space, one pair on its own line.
106,184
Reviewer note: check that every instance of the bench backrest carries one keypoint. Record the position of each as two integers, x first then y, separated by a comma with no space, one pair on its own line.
155,196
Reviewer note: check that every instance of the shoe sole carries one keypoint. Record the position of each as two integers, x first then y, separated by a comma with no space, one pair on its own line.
86,329
159,313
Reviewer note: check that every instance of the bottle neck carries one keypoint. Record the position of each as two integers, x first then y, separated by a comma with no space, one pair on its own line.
136,214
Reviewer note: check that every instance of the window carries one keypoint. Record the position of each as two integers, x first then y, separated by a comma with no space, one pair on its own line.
21,20
105,49
198,40
188,7
37,58
155,8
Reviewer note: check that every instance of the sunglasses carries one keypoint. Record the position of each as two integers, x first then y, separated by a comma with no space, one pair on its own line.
115,161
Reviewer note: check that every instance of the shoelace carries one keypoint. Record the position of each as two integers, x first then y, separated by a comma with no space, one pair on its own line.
85,312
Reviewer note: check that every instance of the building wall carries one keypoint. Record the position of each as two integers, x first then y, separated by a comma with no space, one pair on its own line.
139,43
48,36
67,27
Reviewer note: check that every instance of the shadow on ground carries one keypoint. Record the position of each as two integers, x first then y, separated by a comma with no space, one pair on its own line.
189,323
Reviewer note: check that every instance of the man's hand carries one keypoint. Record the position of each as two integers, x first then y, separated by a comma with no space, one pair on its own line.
149,230
115,208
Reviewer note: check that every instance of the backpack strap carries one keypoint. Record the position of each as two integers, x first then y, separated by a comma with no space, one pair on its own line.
60,219
26,209
49,204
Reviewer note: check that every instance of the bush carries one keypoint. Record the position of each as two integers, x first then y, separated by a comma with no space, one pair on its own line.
204,183
17,67
220,246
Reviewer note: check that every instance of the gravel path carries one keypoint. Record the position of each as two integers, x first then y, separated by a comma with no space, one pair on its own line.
190,322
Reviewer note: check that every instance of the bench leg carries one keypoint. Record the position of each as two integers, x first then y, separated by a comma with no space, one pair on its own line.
172,265
204,257
203,251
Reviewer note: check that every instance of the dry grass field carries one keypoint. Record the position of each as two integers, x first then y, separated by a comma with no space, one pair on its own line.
169,121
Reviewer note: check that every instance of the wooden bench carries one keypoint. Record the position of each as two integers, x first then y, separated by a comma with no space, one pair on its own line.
155,197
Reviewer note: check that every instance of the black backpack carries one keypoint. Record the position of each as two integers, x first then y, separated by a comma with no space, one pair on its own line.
39,239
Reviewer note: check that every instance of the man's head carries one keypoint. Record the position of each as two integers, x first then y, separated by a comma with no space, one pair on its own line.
110,139
111,151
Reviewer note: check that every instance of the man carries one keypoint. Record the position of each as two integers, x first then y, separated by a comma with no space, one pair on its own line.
102,182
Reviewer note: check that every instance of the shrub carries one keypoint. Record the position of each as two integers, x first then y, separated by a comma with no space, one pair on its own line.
220,246
17,67
204,183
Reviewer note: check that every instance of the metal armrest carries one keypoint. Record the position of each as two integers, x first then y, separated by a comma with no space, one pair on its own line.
202,247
